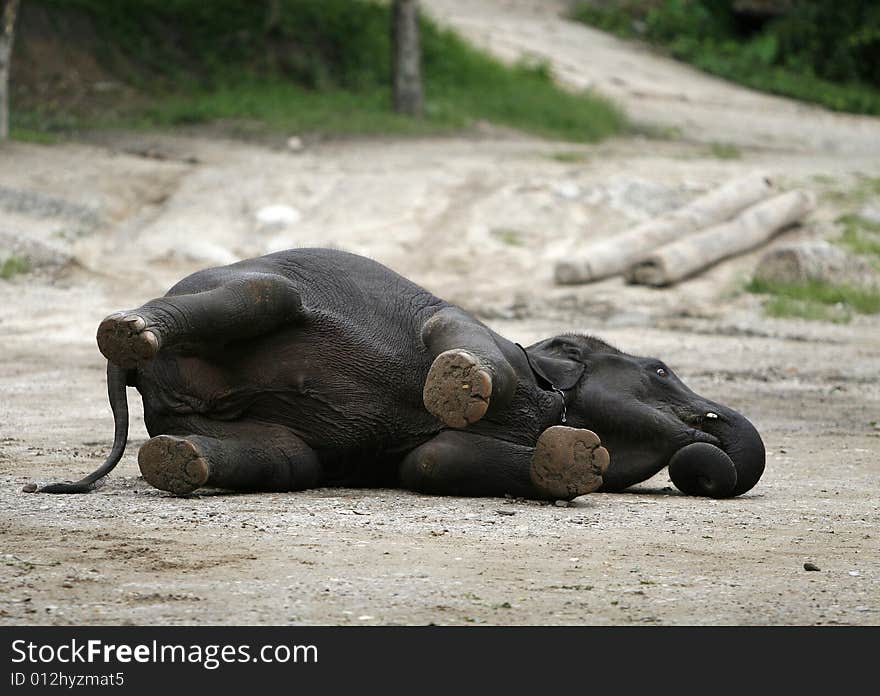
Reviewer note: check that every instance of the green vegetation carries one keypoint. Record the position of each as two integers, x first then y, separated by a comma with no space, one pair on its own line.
866,188
37,137
815,300
817,51
13,266
569,157
724,151
861,236
318,66
508,236
827,301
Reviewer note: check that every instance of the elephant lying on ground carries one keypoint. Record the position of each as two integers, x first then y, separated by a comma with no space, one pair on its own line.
315,367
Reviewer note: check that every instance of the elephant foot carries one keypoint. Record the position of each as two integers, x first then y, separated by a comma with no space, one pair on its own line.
568,462
457,389
172,464
125,341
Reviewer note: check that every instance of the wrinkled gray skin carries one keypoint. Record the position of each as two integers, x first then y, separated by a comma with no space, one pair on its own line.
648,418
317,367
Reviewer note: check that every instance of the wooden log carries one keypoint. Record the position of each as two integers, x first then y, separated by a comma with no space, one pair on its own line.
816,261
613,256
754,226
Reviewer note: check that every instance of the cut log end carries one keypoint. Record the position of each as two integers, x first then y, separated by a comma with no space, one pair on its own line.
650,272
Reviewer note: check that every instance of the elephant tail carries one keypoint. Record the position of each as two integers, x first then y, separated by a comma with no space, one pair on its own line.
116,383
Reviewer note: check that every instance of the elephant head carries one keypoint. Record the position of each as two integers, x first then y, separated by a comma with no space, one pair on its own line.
647,419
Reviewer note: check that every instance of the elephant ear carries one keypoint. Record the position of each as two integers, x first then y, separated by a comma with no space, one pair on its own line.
556,361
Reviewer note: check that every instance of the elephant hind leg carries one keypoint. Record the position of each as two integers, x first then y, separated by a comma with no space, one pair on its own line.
265,459
247,305
173,464
124,339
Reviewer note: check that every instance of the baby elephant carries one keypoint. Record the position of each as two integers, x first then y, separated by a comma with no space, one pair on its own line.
314,367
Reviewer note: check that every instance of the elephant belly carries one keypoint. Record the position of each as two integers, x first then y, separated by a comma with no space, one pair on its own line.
339,394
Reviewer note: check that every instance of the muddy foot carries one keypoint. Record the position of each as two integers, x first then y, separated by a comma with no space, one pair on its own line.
568,462
457,389
125,341
172,464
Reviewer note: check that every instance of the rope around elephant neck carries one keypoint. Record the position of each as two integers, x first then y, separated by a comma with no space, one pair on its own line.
542,381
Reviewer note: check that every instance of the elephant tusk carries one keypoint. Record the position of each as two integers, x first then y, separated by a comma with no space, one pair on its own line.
711,415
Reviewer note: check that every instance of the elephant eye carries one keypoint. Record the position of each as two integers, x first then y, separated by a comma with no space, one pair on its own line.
662,372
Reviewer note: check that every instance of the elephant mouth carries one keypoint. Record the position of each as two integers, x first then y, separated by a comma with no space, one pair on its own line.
724,459
700,425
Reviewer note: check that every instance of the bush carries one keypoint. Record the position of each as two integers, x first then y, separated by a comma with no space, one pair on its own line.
818,51
320,65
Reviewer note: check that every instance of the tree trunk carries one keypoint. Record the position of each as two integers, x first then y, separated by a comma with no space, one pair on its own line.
8,10
751,228
273,16
613,256
406,58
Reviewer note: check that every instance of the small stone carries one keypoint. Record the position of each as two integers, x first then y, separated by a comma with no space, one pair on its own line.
29,488
567,189
807,261
810,566
561,503
294,143
855,573
871,213
278,215
505,512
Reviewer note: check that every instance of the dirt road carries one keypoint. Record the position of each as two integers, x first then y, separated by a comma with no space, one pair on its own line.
478,219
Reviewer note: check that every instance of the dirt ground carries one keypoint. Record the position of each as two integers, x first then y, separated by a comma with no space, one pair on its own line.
478,219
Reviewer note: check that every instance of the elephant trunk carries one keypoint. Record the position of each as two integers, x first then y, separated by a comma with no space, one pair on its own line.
720,472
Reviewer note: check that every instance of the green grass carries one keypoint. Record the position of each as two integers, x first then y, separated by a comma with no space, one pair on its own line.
508,236
281,106
861,237
324,68
815,300
786,58
656,132
724,151
789,308
13,266
863,190
821,301
37,137
785,82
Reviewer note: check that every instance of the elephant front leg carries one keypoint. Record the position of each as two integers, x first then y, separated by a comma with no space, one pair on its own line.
264,458
469,375
248,305
564,464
